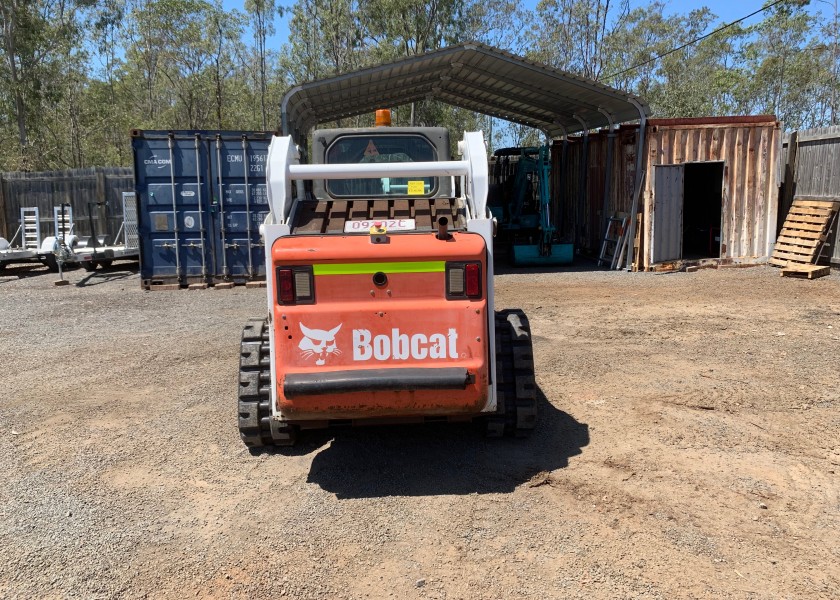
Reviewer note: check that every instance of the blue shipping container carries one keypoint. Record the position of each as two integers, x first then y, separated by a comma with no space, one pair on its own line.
201,198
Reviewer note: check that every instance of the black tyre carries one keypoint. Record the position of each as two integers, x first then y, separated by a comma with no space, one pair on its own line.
51,262
106,263
516,388
89,265
256,428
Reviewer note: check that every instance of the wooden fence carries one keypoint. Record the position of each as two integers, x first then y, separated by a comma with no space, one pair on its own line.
811,167
95,192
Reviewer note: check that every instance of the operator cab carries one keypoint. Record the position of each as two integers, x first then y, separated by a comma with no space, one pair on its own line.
416,200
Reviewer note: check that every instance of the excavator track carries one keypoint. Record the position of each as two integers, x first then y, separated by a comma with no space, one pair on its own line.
256,427
516,388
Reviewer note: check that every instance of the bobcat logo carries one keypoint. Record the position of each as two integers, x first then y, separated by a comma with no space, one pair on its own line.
318,343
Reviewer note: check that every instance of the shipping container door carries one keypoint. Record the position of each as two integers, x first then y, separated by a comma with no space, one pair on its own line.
173,191
668,192
240,204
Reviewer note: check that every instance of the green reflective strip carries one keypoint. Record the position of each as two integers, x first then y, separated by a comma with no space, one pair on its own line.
431,266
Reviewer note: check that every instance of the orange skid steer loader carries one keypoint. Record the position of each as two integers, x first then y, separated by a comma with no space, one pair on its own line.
380,292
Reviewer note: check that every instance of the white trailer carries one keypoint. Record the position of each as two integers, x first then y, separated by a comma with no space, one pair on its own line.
91,254
31,248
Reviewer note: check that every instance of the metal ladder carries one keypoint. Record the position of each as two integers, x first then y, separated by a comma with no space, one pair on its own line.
63,222
130,232
617,227
30,222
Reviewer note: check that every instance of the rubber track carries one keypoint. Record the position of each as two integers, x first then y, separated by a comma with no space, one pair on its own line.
516,388
255,425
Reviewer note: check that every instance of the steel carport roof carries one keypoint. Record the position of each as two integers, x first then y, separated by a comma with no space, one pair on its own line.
472,76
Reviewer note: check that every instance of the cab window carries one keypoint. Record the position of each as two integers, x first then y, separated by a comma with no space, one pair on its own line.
379,148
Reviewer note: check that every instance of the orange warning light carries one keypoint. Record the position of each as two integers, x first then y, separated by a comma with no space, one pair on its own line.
383,117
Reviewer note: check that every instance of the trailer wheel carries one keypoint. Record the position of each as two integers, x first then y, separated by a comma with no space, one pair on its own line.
106,263
256,428
516,388
89,265
51,262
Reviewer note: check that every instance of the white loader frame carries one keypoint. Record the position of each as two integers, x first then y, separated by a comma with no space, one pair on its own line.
284,167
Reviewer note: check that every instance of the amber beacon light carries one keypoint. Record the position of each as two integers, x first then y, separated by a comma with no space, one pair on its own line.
383,117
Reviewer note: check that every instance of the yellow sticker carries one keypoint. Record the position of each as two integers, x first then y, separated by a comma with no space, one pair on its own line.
416,188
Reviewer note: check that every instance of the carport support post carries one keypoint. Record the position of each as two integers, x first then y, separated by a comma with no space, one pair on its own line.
608,171
561,189
584,166
637,183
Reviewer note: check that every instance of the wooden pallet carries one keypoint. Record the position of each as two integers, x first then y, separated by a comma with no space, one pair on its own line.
809,271
806,229
329,216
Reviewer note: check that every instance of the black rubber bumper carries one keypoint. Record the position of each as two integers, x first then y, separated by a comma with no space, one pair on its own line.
372,380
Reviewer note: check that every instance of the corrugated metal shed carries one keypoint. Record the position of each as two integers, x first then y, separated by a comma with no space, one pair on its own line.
472,76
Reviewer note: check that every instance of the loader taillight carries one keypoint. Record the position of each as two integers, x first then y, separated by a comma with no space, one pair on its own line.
285,286
295,285
463,280
473,280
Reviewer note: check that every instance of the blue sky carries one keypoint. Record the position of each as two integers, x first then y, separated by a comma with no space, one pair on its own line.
726,11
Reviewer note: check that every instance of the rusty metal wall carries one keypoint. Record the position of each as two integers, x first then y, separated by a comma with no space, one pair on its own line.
750,152
76,187
812,168
570,199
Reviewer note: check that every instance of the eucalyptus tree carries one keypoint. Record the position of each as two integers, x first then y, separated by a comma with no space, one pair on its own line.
262,15
38,38
783,62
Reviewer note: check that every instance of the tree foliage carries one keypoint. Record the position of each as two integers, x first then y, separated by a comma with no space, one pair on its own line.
77,75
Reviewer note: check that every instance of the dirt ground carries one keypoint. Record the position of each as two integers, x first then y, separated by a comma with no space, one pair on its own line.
688,447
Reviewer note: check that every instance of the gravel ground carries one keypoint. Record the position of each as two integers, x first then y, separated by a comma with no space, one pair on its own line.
688,447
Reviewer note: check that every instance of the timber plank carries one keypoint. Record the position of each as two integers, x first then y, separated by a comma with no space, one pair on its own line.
806,219
816,202
798,258
795,249
797,241
778,262
805,226
802,234
811,212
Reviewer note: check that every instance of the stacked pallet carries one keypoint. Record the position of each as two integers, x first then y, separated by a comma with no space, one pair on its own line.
806,229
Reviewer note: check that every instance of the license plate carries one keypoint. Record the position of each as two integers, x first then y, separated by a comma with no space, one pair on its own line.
389,225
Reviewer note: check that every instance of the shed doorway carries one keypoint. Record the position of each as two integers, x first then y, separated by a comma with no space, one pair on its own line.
688,209
702,210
